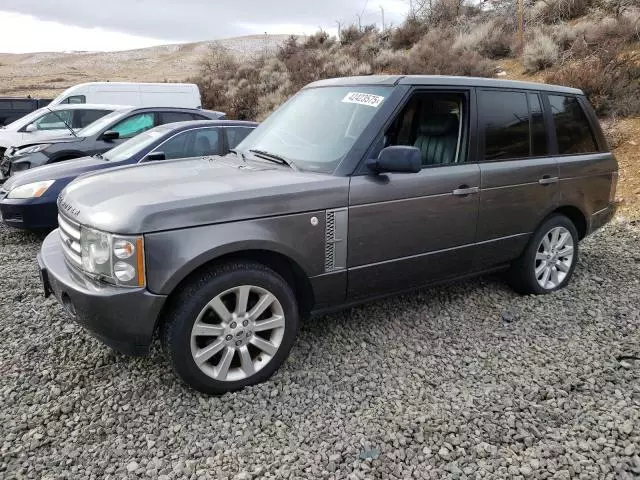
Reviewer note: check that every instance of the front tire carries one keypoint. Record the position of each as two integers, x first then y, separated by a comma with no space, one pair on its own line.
231,327
548,262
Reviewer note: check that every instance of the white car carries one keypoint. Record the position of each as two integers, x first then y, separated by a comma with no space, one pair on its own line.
52,122
180,95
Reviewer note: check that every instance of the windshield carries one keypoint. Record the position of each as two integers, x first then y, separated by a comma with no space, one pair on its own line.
126,150
97,126
317,128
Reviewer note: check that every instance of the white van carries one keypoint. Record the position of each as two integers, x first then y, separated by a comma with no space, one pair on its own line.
185,95
52,122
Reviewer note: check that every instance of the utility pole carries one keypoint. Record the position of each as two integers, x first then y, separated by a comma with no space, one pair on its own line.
520,25
382,10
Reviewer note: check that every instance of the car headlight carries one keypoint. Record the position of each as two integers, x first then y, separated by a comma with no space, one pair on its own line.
30,190
115,259
29,150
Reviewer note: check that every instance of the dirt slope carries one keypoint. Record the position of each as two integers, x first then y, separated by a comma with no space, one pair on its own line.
47,74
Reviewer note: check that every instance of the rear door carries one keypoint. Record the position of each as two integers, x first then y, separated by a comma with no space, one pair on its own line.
409,229
519,177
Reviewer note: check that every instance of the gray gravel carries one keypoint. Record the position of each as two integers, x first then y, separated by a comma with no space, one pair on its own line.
462,381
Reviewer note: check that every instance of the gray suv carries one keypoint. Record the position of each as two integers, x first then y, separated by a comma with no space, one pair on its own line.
354,189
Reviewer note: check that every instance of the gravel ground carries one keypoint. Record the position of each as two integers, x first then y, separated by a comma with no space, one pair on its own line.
462,381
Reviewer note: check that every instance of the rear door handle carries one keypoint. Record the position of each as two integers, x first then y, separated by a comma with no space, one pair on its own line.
547,180
465,190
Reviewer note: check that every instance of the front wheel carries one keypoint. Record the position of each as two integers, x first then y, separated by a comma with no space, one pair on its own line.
230,328
550,258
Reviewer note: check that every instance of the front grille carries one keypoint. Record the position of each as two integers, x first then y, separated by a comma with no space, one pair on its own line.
70,238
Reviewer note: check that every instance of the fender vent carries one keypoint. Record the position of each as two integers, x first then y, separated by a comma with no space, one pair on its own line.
335,250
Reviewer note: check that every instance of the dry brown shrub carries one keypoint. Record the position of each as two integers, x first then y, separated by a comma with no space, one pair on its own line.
540,52
408,34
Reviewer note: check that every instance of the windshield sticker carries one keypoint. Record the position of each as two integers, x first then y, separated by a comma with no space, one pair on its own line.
363,99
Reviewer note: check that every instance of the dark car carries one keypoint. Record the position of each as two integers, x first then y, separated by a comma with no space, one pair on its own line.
13,108
28,199
102,135
355,188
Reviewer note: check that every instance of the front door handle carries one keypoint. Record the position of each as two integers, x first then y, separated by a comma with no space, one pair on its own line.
548,180
465,190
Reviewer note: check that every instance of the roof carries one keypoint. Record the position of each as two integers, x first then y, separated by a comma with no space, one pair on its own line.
87,106
442,80
207,123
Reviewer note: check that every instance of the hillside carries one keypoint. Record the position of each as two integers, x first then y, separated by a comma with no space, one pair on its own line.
47,74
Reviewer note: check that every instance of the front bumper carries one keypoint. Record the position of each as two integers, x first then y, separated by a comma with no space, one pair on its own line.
122,318
31,214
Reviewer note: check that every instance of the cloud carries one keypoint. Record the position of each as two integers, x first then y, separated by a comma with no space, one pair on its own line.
195,20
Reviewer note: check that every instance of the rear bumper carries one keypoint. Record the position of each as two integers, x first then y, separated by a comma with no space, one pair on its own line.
601,218
30,214
122,318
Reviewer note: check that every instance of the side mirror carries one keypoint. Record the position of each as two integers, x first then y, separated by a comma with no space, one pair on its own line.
155,156
398,159
110,135
30,128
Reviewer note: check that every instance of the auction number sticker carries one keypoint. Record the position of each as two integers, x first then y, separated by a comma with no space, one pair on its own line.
363,99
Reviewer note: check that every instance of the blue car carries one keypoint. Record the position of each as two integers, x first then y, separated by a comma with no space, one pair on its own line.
28,200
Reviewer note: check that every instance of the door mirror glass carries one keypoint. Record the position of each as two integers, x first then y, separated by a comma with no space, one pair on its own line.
155,156
30,128
110,135
398,159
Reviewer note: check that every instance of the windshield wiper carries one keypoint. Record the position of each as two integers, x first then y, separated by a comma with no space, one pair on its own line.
272,157
63,121
240,154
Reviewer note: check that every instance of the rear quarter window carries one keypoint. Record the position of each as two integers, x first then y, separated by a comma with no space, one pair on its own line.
573,131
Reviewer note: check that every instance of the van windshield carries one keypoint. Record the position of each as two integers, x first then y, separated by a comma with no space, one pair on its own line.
317,128
97,126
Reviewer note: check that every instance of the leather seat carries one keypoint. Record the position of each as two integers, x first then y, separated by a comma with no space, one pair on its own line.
437,138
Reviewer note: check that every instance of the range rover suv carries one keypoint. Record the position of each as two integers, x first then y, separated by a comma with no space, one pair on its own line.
354,189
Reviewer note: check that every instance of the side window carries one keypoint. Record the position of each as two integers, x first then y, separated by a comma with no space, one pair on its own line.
206,142
75,99
436,124
236,134
505,118
176,147
572,127
172,117
82,118
193,143
539,146
54,120
132,126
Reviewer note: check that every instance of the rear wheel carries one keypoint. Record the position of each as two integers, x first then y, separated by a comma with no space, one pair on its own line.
230,328
549,260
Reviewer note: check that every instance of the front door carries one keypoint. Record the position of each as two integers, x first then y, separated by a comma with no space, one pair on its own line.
519,184
407,230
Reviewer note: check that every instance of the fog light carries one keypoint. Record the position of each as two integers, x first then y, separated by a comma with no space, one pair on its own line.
124,272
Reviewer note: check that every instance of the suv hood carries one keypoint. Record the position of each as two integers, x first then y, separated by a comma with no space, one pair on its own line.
188,193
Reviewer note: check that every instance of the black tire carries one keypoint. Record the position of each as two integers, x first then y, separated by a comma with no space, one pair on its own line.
192,299
521,275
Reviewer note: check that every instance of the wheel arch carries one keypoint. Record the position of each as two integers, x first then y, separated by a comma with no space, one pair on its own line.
285,266
577,217
67,155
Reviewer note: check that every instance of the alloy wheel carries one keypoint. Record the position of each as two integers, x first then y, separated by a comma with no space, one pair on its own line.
237,333
554,258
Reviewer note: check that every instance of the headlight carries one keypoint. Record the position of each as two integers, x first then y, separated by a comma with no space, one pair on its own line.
113,258
31,190
29,150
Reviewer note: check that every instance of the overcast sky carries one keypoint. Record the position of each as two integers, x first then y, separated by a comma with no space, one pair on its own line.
60,25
